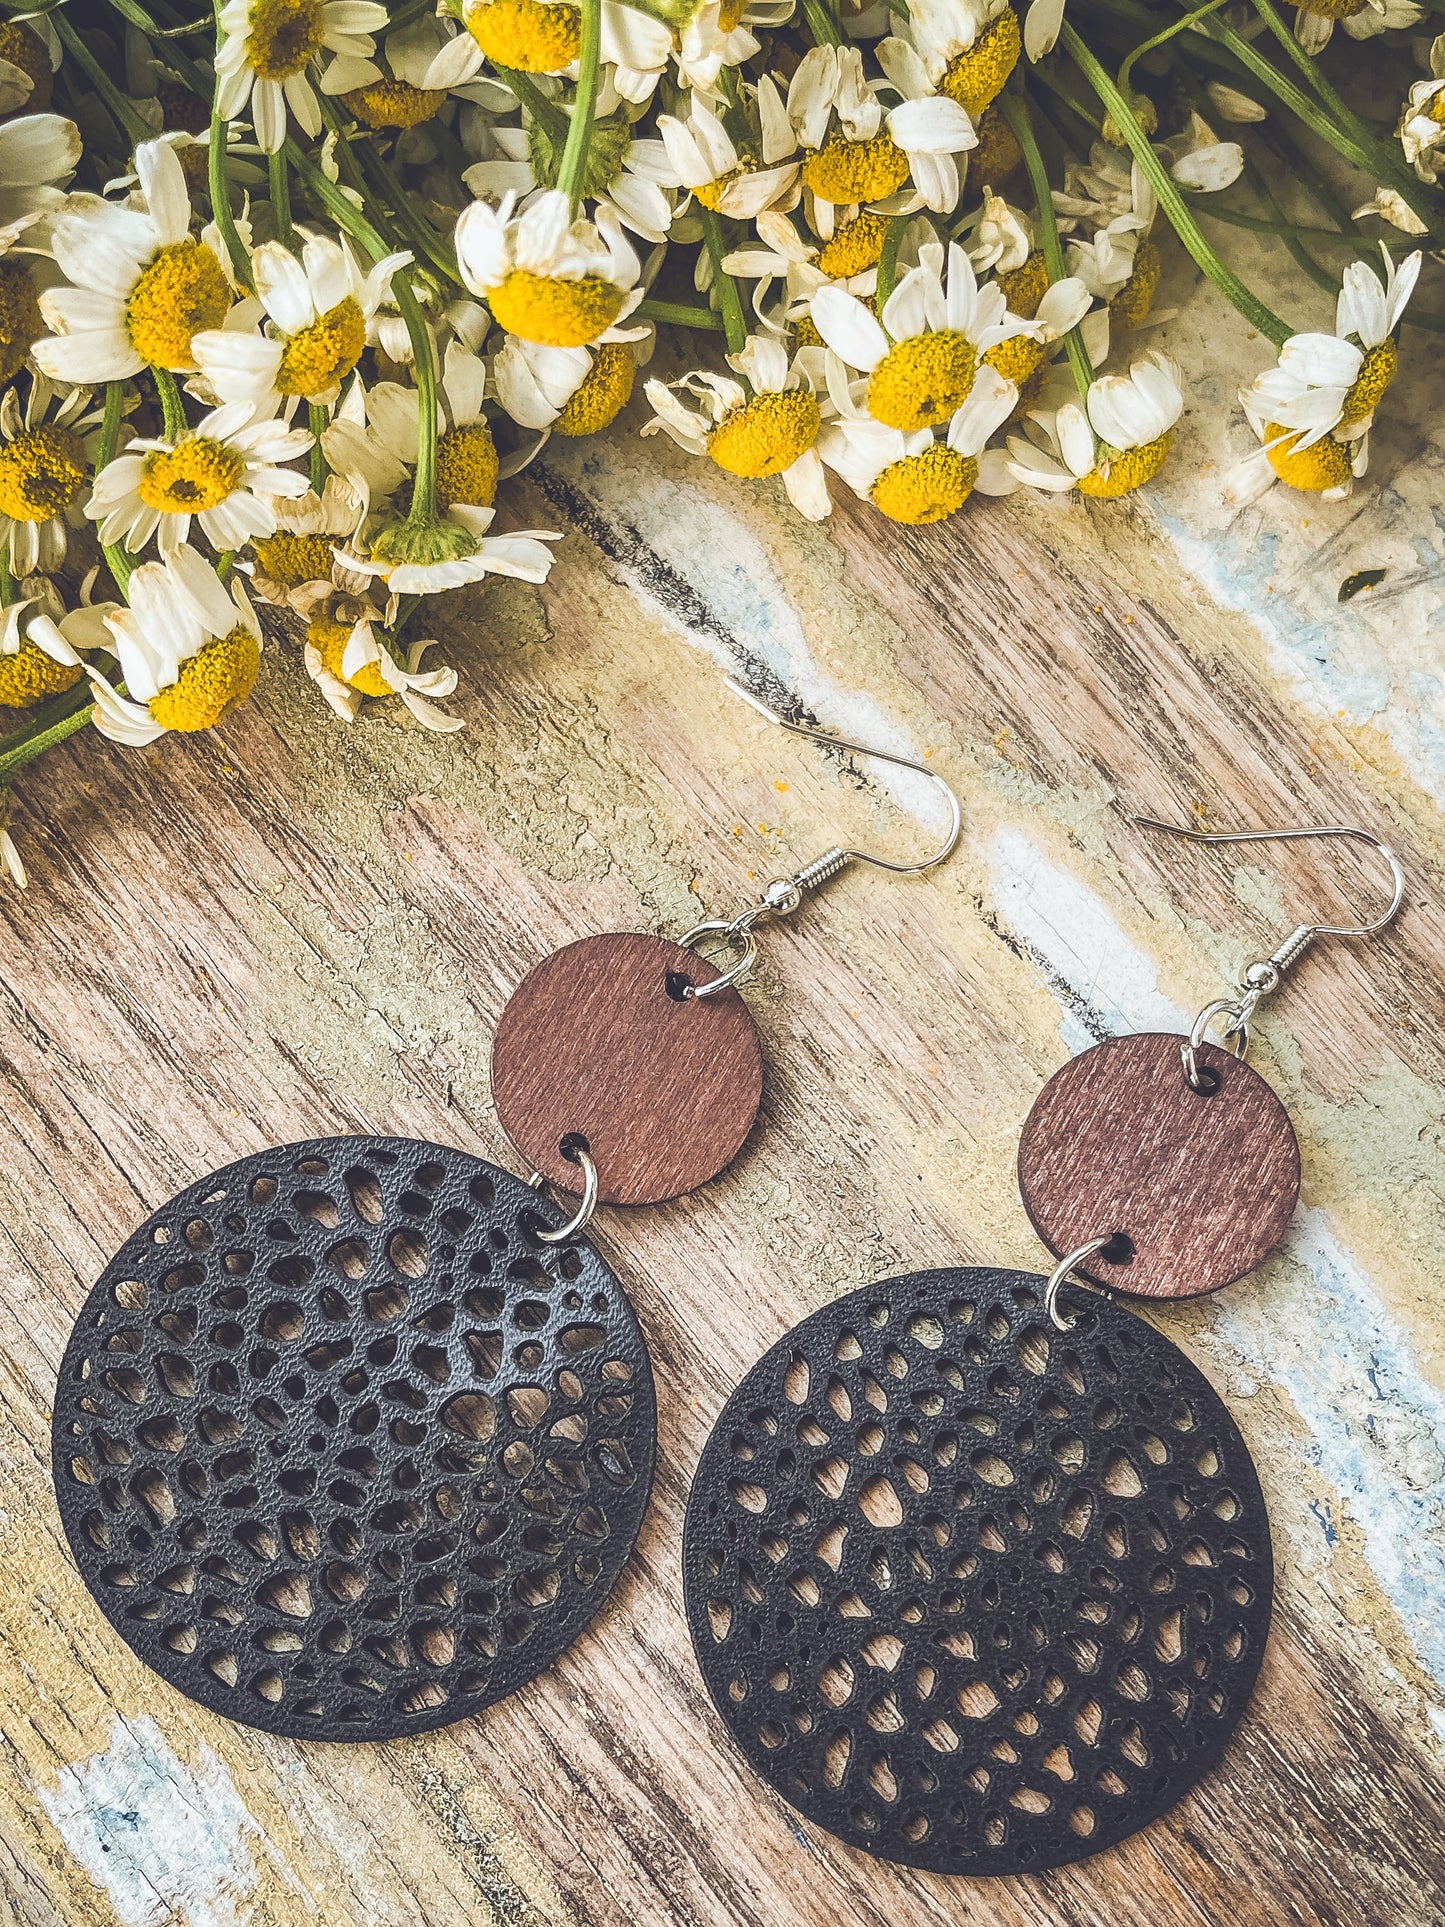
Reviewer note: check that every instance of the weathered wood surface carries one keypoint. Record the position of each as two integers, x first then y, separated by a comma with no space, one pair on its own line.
294,929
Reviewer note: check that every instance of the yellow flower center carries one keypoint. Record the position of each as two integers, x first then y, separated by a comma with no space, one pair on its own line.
41,474
1136,297
806,333
844,171
394,103
1120,470
767,434
1032,389
320,356
977,77
20,321
534,36
330,639
289,560
711,192
180,292
1325,464
854,249
195,475
1435,107
24,48
1377,371
284,35
29,676
467,467
558,314
603,392
997,154
1024,288
920,381
926,487
221,674
1015,359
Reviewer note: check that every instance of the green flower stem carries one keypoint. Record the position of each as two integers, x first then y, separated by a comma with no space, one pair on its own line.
423,238
122,112
551,116
674,314
1294,246
36,739
1016,113
1182,25
822,24
1092,122
734,321
579,134
220,193
117,557
7,581
172,407
317,418
280,182
888,260
1169,197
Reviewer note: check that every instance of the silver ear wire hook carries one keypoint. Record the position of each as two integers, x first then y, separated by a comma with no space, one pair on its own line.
784,894
1264,975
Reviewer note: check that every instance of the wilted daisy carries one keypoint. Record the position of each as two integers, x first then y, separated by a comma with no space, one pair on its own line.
929,128
141,288
35,154
767,428
44,471
375,460
546,277
912,477
965,49
267,49
348,660
297,565
318,307
1315,20
1113,444
223,472
41,646
705,160
921,359
409,77
188,646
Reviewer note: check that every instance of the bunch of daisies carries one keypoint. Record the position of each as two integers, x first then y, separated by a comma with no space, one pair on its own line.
288,292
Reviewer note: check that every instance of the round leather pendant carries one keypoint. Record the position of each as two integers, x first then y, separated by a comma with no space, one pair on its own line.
1194,1189
597,1044
971,1593
342,1450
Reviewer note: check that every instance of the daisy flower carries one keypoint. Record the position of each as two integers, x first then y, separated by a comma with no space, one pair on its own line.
636,190
963,49
28,63
296,567
921,359
223,472
376,458
705,160
38,154
423,559
910,476
188,647
319,308
1421,129
267,50
771,430
1314,20
40,645
141,288
44,469
720,35
348,661
422,65
929,127
530,36
569,391
1111,445
838,117
546,277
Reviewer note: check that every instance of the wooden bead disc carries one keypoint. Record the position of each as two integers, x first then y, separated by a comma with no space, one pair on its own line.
596,1044
1203,1187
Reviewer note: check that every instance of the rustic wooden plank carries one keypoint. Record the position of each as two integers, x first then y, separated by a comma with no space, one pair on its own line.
295,929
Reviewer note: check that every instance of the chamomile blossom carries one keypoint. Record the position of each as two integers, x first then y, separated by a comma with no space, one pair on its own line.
406,81
642,191
963,49
225,473
1421,129
42,647
837,116
29,57
706,162
768,431
318,308
188,647
348,661
296,567
545,276
44,468
529,36
911,476
1315,20
140,286
569,391
376,458
423,558
268,49
38,154
1108,447
929,127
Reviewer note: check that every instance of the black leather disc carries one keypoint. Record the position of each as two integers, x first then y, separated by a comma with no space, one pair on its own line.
972,1593
342,1449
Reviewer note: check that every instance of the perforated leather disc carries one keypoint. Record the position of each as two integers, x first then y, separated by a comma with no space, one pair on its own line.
342,1450
971,1593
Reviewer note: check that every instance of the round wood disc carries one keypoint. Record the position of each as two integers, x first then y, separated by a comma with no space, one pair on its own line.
1195,1188
971,1593
342,1449
597,1045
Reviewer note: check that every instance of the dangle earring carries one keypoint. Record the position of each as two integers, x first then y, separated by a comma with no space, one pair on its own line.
353,1437
976,1564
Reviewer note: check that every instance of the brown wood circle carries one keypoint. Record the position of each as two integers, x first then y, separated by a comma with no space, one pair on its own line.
662,1089
1202,1187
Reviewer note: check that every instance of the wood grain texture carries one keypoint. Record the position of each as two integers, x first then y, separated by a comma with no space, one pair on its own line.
1202,1185
594,1043
292,928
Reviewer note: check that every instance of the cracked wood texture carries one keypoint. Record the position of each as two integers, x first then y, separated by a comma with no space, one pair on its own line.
290,928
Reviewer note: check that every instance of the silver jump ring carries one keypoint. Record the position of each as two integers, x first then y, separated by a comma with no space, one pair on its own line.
1060,1278
1235,1034
738,932
582,1216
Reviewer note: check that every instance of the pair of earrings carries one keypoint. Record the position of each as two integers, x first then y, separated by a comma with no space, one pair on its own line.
353,1437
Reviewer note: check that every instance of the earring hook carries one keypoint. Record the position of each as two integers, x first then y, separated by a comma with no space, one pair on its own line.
1264,974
